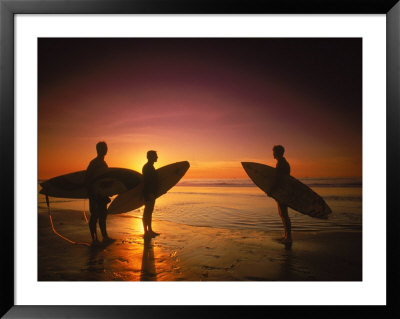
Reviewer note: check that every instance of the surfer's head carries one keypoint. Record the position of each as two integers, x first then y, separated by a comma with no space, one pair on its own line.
101,148
152,156
278,151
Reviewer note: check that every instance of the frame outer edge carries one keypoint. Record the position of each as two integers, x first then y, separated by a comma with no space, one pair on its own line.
7,149
392,153
7,154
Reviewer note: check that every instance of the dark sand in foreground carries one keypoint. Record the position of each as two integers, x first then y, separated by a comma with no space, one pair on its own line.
191,253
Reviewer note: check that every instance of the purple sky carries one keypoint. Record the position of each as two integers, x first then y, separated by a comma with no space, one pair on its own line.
213,102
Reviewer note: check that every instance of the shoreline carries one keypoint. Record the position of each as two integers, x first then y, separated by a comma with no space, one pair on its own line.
191,253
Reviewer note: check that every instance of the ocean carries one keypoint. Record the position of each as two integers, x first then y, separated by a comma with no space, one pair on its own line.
239,204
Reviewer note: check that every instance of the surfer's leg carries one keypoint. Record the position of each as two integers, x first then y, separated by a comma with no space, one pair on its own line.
145,219
283,212
147,216
144,222
93,218
150,218
102,221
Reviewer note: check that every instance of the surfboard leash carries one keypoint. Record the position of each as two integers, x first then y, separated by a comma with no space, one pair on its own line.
57,233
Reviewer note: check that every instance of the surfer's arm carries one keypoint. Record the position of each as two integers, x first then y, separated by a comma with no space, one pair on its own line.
282,169
150,182
94,168
89,174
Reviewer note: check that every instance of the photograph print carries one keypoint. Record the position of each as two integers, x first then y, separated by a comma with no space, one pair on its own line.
199,159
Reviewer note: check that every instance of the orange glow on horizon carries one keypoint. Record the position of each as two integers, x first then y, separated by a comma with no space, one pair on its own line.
198,170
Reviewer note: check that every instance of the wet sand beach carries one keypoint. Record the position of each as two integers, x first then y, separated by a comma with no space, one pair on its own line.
192,253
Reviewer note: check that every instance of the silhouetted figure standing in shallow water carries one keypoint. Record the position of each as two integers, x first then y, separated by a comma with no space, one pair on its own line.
150,190
282,170
97,203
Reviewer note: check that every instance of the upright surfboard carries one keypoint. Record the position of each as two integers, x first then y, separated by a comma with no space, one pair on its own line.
108,182
168,176
291,191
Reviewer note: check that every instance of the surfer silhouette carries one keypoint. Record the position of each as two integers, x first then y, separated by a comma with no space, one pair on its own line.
282,170
97,202
150,190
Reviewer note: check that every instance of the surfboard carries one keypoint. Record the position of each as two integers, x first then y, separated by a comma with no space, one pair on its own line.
108,182
168,176
291,191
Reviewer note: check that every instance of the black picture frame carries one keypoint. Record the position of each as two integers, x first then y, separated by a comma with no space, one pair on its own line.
8,10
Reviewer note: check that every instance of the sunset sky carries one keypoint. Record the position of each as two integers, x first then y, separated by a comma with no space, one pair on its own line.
213,102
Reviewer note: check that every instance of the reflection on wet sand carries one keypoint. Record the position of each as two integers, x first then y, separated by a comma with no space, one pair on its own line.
95,262
191,253
148,272
131,257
